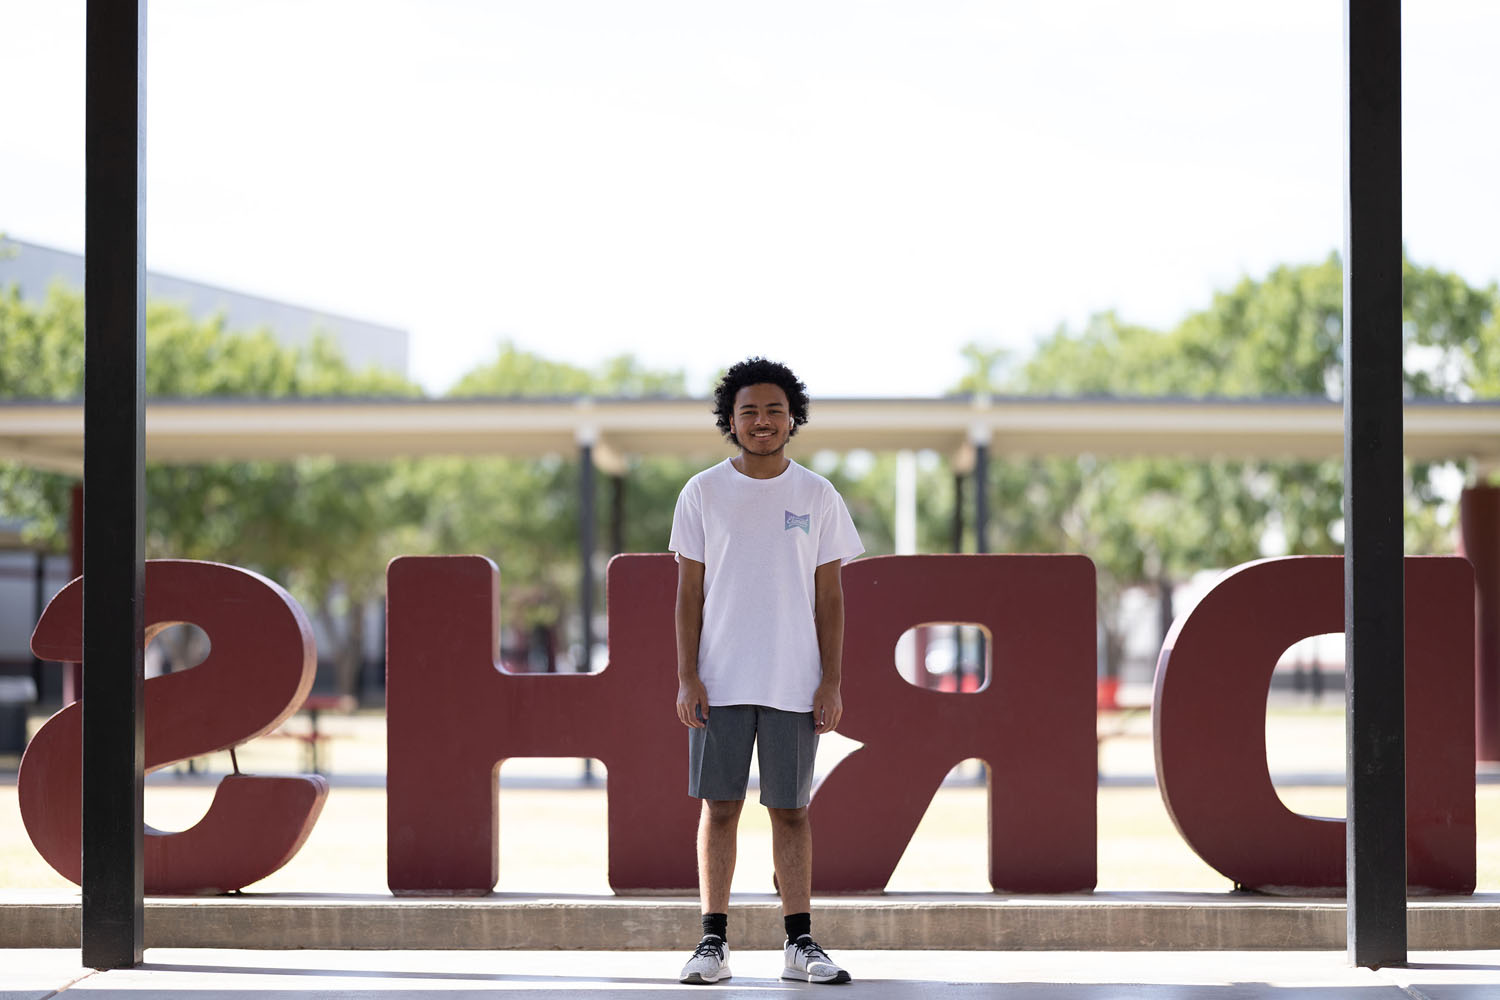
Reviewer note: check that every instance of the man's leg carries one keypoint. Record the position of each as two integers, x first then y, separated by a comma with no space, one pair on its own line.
718,770
791,851
718,829
791,846
788,743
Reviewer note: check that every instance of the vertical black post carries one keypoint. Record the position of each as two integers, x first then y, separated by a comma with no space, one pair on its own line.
586,533
958,512
113,472
981,528
38,604
981,496
958,547
1375,709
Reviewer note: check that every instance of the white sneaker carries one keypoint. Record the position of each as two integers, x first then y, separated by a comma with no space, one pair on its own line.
709,964
811,964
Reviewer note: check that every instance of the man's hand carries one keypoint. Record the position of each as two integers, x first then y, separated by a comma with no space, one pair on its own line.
692,703
828,708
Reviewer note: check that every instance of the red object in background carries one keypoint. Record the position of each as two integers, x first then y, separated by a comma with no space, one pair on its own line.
1479,541
453,716
1032,724
1107,694
1210,724
259,670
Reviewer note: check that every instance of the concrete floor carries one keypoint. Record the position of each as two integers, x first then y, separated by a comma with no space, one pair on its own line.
1045,975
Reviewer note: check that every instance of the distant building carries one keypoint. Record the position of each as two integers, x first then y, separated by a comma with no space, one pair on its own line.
34,268
28,579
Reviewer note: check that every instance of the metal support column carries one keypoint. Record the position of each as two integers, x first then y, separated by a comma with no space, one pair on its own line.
1374,626
113,471
981,529
586,543
981,496
958,512
38,605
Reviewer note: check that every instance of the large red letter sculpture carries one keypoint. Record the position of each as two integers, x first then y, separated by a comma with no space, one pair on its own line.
258,673
453,715
1210,724
1032,724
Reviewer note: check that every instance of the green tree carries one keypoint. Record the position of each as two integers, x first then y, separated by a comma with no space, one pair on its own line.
516,373
41,358
1283,336
1151,521
987,366
525,512
867,482
319,527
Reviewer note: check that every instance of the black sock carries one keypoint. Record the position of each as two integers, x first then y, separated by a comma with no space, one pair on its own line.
716,924
797,924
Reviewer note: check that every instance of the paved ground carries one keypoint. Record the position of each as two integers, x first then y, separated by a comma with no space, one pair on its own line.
638,975
1307,747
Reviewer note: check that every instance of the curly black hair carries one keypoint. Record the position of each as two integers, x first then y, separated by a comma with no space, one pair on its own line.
758,371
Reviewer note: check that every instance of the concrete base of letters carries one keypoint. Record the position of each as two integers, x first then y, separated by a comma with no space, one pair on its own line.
1104,921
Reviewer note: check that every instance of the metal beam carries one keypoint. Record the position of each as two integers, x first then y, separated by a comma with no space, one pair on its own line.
47,434
1375,710
114,450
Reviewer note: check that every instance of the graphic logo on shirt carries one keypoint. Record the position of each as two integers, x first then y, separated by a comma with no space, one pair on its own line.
803,521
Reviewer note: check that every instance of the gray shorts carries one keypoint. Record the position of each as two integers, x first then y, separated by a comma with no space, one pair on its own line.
719,755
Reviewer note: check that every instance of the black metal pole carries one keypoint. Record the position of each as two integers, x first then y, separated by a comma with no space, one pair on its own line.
981,528
958,512
1375,707
981,496
113,471
958,547
38,605
586,533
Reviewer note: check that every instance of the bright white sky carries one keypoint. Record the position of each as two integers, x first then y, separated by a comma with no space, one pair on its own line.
857,188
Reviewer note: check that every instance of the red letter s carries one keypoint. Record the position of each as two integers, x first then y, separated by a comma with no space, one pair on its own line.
258,673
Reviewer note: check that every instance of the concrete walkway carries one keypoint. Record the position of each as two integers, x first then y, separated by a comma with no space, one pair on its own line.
1048,975
1100,921
1217,945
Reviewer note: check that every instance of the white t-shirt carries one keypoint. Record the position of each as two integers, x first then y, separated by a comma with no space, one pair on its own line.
760,541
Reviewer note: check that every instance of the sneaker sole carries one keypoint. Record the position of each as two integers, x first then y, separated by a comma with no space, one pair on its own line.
698,979
805,977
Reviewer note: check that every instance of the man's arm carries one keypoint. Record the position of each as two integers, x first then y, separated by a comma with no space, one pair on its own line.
828,612
692,697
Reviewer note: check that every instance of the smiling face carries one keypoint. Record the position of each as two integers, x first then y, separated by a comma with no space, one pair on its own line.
762,419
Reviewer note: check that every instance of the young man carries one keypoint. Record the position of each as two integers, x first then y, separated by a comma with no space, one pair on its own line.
760,543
